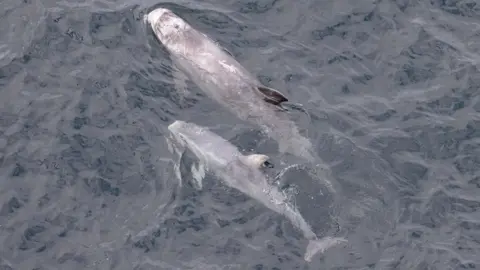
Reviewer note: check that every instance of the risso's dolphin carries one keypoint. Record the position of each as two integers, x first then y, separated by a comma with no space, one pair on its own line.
223,79
242,172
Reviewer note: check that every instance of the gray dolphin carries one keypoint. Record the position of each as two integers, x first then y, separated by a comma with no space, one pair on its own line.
243,173
223,79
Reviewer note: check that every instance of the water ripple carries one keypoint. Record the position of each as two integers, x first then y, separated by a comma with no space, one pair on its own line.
88,180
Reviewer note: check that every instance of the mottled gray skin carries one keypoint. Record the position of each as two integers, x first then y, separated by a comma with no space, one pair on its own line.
223,79
243,173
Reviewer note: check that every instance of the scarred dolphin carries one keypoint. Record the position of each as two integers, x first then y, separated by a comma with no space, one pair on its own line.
223,79
242,172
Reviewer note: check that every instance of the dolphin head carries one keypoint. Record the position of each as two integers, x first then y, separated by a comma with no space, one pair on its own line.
176,129
165,23
176,126
257,161
206,144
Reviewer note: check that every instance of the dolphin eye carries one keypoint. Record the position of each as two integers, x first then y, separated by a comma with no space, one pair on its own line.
176,26
267,164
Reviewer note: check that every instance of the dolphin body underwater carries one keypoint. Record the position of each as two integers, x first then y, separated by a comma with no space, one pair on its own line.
243,172
223,79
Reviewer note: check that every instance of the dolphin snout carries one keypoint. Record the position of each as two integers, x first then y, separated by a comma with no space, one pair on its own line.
156,14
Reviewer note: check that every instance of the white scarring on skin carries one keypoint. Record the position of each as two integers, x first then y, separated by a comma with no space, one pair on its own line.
223,79
242,172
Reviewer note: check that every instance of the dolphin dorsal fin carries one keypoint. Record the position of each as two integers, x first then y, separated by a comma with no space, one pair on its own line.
257,161
271,95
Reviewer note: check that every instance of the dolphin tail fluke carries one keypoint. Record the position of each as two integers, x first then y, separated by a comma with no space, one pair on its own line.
320,245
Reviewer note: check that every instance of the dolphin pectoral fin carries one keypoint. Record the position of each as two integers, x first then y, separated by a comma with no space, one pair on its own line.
174,149
271,95
320,245
257,161
180,83
198,174
220,46
177,167
227,51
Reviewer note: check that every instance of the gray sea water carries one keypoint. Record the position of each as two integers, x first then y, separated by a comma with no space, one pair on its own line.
392,89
